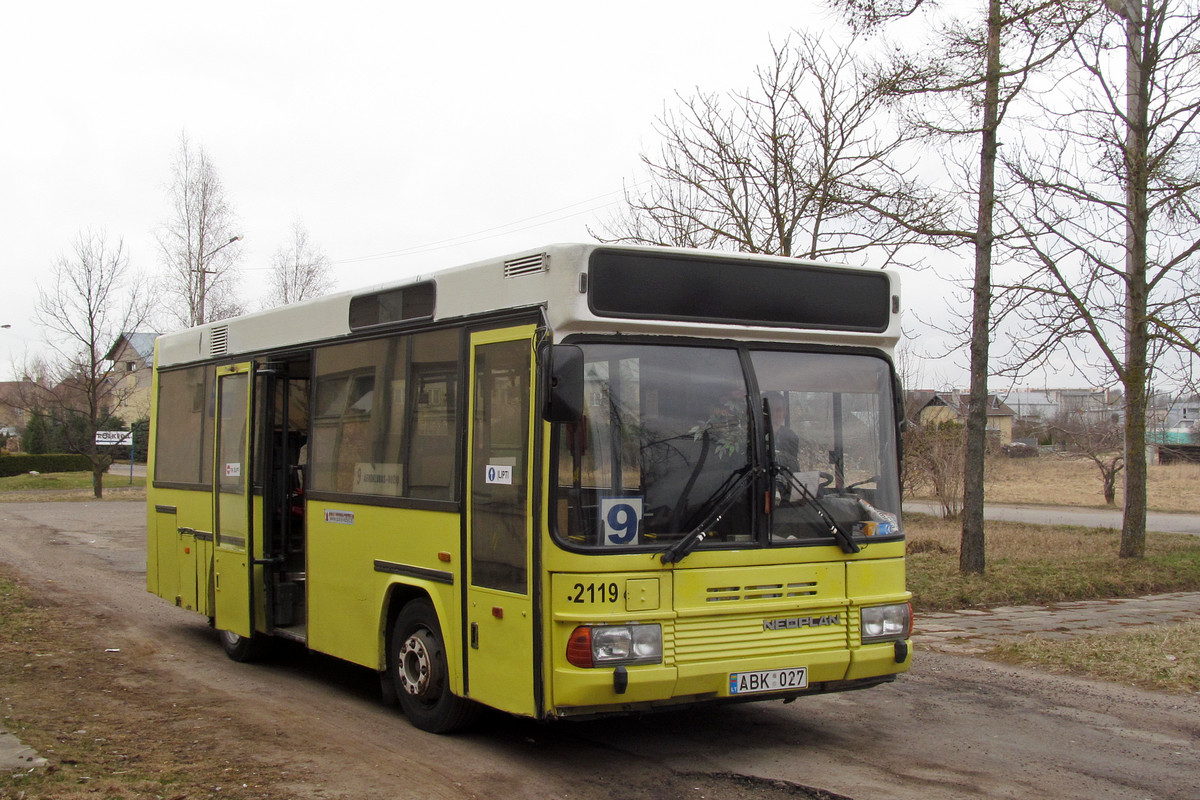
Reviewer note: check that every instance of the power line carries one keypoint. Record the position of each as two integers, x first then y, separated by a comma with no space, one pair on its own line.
496,231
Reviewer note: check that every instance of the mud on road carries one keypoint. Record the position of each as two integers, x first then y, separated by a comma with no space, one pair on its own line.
127,696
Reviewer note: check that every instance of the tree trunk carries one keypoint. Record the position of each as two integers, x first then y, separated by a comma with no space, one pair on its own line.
971,557
98,481
1110,486
1133,527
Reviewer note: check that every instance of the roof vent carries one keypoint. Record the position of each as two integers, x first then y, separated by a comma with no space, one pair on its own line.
529,265
218,341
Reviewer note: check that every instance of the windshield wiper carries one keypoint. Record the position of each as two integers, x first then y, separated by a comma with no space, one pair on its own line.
722,499
840,535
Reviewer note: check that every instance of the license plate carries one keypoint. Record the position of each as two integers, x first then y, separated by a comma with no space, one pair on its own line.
769,680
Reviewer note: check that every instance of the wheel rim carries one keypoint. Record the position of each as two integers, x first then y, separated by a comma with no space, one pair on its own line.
229,638
417,666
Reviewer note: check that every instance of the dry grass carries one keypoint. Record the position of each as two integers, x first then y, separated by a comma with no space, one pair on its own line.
1059,480
58,486
1035,564
1165,657
73,495
109,731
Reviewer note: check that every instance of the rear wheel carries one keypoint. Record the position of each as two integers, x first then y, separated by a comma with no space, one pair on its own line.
420,674
243,648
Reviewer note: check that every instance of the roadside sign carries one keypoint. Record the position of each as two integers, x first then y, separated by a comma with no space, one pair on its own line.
114,437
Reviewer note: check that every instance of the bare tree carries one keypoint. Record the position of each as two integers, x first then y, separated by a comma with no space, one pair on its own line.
299,271
1101,439
198,243
797,166
1109,222
867,15
88,300
965,85
933,457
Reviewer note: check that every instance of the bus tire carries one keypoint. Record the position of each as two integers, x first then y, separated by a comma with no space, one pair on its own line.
244,649
421,675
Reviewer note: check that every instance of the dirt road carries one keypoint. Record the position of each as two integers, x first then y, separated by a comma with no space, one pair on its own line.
310,726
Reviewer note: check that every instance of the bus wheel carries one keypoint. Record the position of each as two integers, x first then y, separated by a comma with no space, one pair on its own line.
245,649
417,660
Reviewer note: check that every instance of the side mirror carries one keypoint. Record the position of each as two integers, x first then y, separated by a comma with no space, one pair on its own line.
564,383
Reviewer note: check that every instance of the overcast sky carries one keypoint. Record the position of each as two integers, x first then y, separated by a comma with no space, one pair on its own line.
406,136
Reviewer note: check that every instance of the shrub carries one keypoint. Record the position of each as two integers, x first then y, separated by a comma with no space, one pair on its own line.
933,457
1020,450
50,462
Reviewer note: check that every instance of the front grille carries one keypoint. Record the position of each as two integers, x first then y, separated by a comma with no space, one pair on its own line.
743,635
759,611
764,591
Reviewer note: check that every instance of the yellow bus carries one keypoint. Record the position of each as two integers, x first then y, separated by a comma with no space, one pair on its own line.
573,482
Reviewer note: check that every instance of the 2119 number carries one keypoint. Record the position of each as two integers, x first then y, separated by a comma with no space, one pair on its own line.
595,593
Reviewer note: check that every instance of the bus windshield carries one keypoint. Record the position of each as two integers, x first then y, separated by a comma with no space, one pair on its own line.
757,446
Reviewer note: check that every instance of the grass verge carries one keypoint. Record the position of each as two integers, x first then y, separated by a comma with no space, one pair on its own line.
69,486
1037,564
1162,657
50,481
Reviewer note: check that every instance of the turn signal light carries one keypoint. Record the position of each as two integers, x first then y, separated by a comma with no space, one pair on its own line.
579,647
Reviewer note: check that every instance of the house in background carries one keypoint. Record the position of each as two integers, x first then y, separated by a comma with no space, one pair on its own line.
123,392
12,407
1093,406
926,407
1033,404
133,360
1184,412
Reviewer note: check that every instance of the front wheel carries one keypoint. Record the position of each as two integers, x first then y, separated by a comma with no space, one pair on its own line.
242,648
419,671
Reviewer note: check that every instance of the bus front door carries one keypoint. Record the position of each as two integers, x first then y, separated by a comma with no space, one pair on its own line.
500,657
231,502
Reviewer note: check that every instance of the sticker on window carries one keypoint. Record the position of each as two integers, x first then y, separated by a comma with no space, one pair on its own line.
620,520
499,473
385,479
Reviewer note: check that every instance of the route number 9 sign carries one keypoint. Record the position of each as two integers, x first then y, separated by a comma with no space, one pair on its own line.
620,519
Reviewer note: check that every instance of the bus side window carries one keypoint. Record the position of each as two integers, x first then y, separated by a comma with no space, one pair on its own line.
435,420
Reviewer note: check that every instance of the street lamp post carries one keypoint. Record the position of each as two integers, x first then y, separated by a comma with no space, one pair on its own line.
198,318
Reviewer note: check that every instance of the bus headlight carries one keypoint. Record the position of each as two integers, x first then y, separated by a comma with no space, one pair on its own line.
886,623
611,645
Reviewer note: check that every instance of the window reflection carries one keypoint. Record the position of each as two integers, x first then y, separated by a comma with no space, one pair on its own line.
385,419
670,440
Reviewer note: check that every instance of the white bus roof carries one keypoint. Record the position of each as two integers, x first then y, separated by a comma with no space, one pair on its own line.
553,279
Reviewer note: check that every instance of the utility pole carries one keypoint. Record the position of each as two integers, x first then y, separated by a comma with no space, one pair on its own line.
198,315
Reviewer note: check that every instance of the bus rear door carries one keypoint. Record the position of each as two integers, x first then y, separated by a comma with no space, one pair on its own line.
231,499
